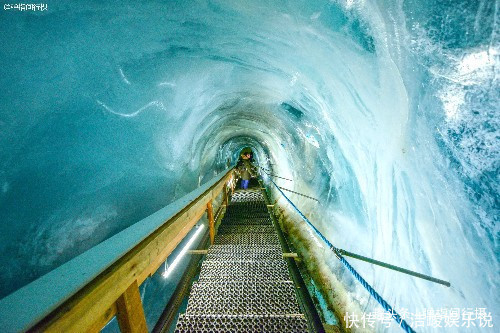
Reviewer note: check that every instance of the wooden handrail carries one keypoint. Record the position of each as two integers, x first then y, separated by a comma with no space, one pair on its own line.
83,294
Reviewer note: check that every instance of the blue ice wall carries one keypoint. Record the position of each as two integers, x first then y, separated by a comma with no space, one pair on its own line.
386,110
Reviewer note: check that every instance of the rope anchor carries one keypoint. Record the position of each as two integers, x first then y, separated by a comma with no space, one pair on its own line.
393,267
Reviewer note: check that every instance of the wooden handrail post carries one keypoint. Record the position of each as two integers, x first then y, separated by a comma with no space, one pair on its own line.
225,196
130,314
211,224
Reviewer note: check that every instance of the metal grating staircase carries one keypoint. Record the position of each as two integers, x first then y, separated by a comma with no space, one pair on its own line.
244,283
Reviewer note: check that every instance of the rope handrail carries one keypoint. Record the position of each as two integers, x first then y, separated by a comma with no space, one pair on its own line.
404,325
273,175
303,195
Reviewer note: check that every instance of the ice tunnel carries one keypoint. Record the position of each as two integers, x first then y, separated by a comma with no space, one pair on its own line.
386,112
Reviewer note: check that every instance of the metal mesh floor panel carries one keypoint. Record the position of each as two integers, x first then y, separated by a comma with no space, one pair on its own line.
247,196
271,270
243,297
243,249
240,324
225,256
249,205
246,215
247,239
247,221
252,229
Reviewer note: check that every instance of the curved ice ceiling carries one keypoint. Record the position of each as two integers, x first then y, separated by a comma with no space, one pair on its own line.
386,110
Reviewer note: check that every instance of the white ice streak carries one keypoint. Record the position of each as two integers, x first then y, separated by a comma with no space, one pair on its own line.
167,84
315,15
124,78
135,113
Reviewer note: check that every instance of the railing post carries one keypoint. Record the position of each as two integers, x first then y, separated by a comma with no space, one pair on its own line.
130,314
233,184
211,224
225,196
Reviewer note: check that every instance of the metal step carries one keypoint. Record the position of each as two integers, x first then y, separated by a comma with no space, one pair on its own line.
269,270
247,221
243,298
251,228
241,324
247,239
244,214
244,253
248,203
247,196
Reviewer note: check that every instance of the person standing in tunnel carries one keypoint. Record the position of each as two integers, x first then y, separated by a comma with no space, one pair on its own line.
245,168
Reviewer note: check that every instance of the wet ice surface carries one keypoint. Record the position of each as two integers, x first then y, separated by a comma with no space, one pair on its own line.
386,112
